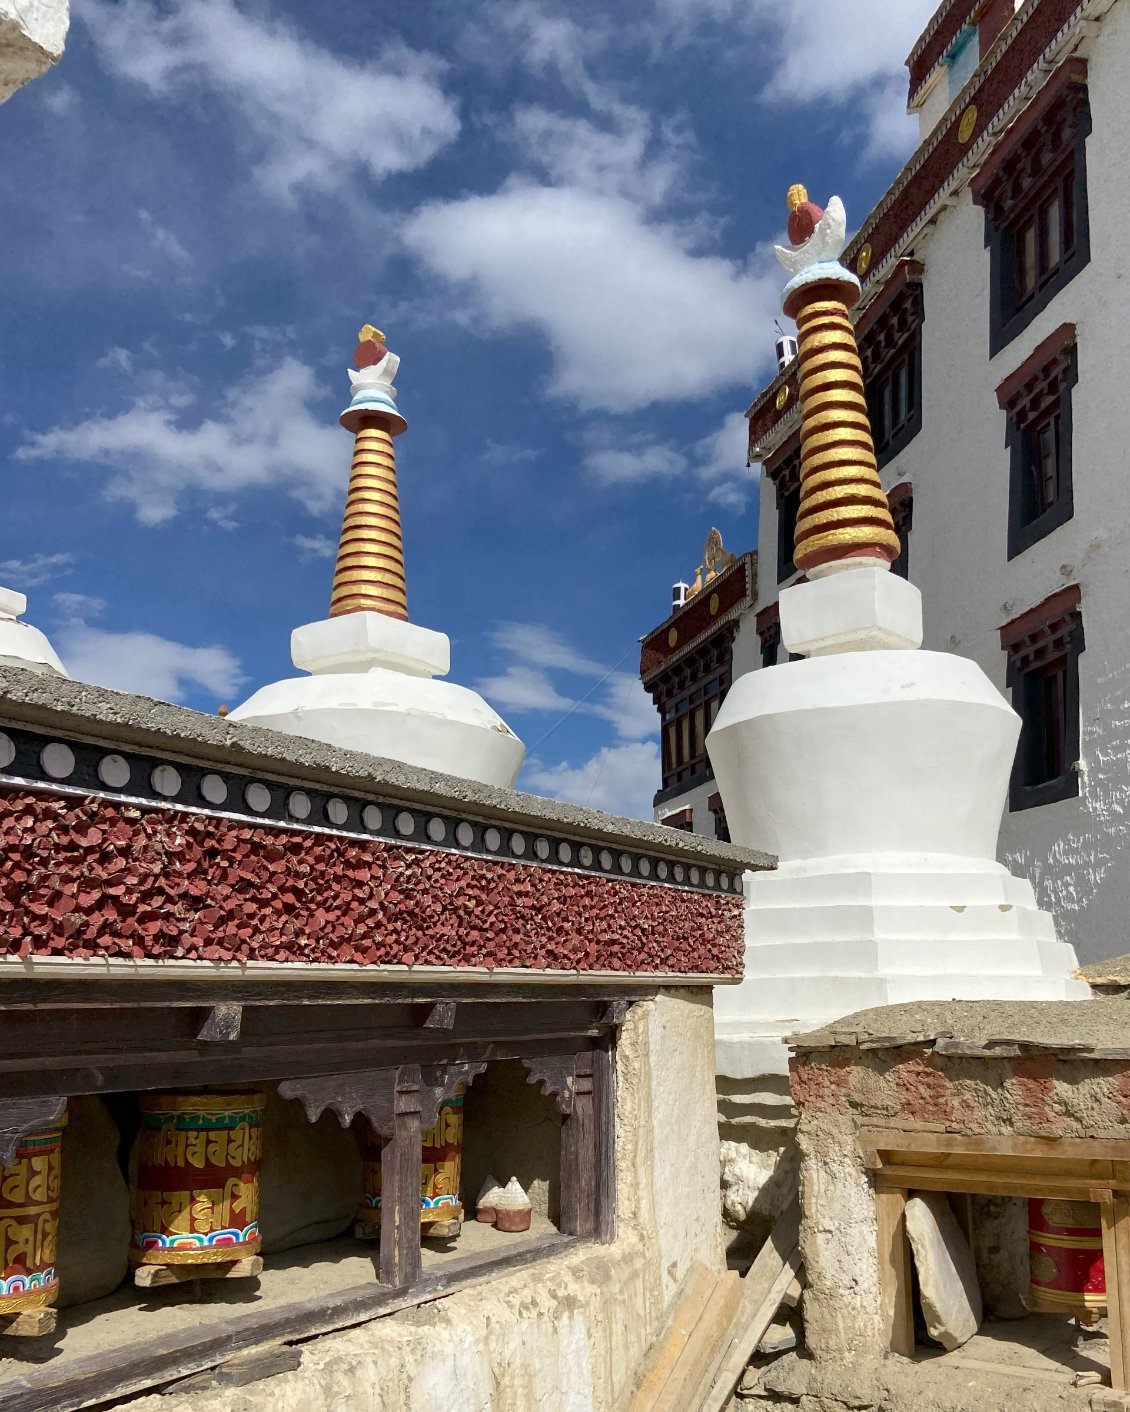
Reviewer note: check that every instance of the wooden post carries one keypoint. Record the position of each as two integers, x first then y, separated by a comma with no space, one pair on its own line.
1114,1212
400,1184
578,1153
588,1159
894,1272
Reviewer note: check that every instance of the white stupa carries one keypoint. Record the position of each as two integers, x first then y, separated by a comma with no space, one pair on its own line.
21,645
372,683
877,773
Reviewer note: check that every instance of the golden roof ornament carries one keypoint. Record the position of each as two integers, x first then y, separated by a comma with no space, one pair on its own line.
716,559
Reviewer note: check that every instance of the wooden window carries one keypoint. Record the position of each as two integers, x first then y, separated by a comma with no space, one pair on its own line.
1034,192
890,348
783,469
718,809
688,696
681,819
1043,647
768,623
1036,400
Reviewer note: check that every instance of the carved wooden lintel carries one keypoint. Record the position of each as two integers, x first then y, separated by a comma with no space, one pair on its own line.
554,1074
376,1093
20,1116
221,1025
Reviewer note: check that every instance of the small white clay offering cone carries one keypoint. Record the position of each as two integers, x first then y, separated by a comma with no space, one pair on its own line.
512,1208
488,1196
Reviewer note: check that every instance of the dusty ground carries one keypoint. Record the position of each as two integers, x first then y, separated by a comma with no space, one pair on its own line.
131,1314
1022,1366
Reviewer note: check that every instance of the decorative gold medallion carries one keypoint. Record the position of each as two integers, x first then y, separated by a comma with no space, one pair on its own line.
967,124
863,259
672,637
1042,1265
782,397
713,604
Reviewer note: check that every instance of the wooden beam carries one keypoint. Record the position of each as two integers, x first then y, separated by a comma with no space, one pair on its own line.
1114,1213
981,1182
894,1272
604,1119
400,1184
65,1384
1046,1149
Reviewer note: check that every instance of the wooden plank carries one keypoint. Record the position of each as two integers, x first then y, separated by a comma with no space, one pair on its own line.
771,1276
1120,1208
1117,1291
695,1370
31,1323
691,1300
1047,1149
604,1116
894,1272
157,1276
64,1385
244,1368
400,1184
979,1182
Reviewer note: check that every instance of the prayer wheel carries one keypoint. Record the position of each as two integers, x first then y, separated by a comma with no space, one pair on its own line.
194,1178
29,1221
1065,1257
441,1163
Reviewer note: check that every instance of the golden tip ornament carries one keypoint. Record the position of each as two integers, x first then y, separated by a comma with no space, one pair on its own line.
795,195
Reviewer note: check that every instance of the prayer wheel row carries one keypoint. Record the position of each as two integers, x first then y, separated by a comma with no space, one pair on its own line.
194,1188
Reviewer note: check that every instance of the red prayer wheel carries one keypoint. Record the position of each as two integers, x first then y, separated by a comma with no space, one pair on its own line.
194,1178
29,1221
1065,1257
441,1162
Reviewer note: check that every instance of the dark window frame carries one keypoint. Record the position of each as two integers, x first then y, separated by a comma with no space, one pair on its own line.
688,697
1043,153
889,333
1044,646
783,469
1035,398
768,623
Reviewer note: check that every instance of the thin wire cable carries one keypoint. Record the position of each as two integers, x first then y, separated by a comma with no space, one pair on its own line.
576,704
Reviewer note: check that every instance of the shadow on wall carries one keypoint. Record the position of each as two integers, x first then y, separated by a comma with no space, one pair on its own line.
510,1129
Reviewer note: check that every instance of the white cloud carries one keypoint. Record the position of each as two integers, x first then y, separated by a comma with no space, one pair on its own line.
34,571
145,663
264,436
542,646
163,240
716,461
141,662
315,546
522,688
632,312
621,779
628,706
638,457
314,118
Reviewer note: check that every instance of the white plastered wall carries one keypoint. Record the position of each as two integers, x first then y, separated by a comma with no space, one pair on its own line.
1075,851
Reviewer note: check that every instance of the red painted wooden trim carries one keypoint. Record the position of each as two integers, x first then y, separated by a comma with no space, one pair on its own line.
1059,604
1063,337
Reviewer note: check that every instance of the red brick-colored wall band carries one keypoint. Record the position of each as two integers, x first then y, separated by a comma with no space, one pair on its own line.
96,878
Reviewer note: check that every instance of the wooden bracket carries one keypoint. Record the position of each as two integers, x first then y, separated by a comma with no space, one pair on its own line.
20,1116
555,1074
221,1025
441,1016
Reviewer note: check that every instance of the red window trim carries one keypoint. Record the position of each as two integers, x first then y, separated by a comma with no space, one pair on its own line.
783,467
1042,634
1046,364
680,819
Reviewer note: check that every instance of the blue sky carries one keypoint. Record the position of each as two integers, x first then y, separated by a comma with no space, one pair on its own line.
561,214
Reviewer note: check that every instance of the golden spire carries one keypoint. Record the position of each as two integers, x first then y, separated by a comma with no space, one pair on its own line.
843,512
369,572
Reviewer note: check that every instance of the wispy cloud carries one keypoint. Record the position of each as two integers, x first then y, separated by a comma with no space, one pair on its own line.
312,118
314,546
717,462
620,779
264,434
34,571
142,662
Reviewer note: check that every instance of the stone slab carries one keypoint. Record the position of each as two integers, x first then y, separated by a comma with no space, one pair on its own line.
947,1276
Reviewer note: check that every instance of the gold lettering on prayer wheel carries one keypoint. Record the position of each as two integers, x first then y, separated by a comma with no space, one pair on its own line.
441,1163
194,1178
29,1221
1065,1258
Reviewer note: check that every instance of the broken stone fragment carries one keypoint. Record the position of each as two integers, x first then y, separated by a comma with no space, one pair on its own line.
512,1208
947,1275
